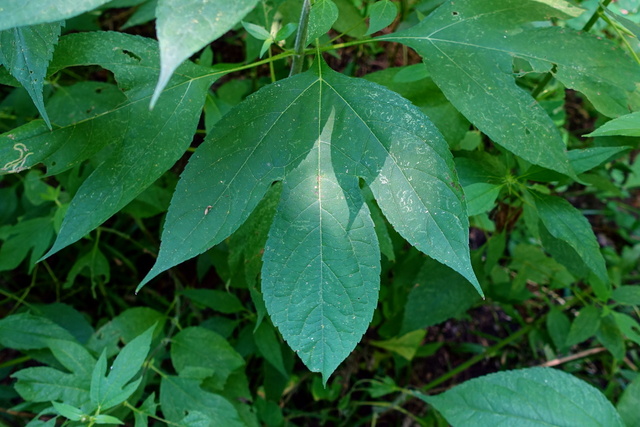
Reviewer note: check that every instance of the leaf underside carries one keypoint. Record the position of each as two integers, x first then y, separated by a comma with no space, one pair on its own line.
321,134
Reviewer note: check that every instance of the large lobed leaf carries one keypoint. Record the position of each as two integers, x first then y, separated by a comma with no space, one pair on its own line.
469,48
320,133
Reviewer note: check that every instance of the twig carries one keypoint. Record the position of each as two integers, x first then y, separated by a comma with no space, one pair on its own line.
561,360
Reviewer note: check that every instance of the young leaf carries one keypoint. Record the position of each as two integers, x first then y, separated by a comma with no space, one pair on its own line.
256,31
25,52
532,397
320,132
567,224
322,16
628,125
147,409
584,326
469,48
285,31
68,411
115,388
20,13
381,14
186,26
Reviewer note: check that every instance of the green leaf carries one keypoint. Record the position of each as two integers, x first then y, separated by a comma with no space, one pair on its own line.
324,239
20,13
285,31
628,125
107,419
629,295
531,397
126,326
611,337
27,332
68,411
256,31
147,409
628,326
44,384
469,49
414,84
630,402
221,301
67,317
321,18
438,295
567,224
186,26
350,20
558,326
196,347
405,345
585,325
144,143
269,346
322,249
31,235
84,111
113,389
181,395
399,171
72,356
25,52
381,14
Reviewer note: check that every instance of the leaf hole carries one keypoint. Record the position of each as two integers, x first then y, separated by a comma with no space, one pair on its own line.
454,13
131,54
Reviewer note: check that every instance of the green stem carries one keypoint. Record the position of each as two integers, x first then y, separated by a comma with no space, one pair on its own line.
478,358
301,38
590,23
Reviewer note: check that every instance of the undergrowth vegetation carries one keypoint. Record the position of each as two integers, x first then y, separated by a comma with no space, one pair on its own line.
327,212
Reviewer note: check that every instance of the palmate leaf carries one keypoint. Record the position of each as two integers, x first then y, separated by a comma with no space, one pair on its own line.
320,133
469,48
143,143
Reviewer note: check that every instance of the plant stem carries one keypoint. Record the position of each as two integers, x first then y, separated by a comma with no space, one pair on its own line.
301,38
479,357
590,23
